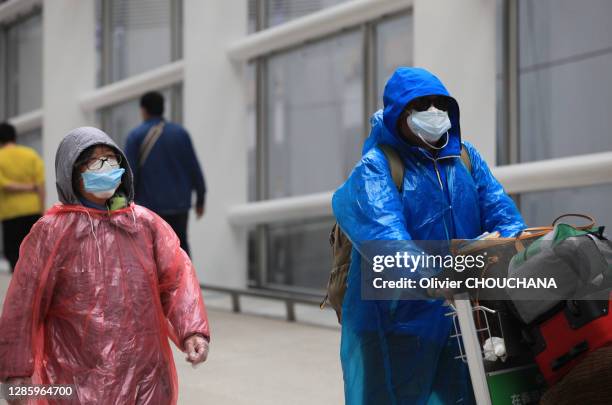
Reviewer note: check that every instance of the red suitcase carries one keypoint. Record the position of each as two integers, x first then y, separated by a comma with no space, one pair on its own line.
562,340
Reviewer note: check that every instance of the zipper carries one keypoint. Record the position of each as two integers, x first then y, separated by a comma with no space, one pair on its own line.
435,162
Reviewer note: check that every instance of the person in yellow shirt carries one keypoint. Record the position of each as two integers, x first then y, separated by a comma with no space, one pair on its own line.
22,188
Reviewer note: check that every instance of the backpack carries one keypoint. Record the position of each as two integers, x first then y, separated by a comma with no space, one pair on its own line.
342,247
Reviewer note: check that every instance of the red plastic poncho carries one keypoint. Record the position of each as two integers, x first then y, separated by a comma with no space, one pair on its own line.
93,300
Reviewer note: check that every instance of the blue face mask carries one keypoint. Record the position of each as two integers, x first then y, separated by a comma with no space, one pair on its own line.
102,184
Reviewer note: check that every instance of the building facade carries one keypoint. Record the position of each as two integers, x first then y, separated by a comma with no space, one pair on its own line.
277,94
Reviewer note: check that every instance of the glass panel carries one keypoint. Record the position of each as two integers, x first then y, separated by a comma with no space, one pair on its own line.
282,11
3,78
120,119
252,16
541,208
314,115
565,91
174,105
393,49
24,66
33,139
140,35
299,254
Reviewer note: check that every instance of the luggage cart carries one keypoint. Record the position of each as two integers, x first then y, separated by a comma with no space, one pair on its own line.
469,345
494,387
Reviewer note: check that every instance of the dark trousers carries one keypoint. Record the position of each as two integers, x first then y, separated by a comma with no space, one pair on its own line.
178,222
14,231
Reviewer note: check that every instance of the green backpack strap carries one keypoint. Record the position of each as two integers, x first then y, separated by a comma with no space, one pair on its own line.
465,158
395,164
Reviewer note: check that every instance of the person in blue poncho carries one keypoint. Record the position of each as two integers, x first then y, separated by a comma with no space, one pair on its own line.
400,352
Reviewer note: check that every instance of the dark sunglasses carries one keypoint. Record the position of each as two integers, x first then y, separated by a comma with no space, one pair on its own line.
423,103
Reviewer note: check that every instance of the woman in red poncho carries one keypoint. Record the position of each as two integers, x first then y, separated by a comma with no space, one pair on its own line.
100,286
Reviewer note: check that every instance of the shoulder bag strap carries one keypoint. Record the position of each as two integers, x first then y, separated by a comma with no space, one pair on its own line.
148,142
465,158
395,164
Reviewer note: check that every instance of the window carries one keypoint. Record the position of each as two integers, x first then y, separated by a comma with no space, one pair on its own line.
136,35
252,16
565,59
118,120
309,118
314,114
276,12
33,139
393,49
282,11
21,58
298,254
541,208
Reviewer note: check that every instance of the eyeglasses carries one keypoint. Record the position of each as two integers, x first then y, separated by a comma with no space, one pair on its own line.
113,161
423,103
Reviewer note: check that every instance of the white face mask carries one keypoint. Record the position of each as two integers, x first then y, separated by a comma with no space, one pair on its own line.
429,125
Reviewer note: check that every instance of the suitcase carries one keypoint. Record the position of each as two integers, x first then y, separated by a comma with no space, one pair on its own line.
568,334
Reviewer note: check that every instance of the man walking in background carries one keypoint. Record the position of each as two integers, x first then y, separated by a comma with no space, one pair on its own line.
166,168
22,191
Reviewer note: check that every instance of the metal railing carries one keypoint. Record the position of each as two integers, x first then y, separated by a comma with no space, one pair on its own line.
313,26
567,172
290,299
134,86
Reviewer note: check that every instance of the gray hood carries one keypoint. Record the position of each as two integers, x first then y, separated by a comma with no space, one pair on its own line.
68,152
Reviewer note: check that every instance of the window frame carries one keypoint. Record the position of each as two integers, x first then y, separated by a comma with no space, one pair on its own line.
511,85
9,103
370,101
175,99
106,47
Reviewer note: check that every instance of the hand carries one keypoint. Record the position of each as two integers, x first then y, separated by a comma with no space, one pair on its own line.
199,211
196,348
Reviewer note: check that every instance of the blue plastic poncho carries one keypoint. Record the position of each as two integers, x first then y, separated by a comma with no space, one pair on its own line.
400,353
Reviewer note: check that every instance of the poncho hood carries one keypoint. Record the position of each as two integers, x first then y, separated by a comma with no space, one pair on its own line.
68,151
405,85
